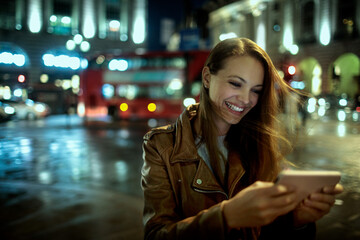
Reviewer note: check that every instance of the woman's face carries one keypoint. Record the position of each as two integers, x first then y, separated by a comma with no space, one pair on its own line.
234,90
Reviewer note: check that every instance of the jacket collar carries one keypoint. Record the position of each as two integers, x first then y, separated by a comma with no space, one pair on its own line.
185,147
185,151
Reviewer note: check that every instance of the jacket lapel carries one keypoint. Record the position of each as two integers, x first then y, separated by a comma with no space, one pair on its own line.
184,148
235,172
205,180
185,151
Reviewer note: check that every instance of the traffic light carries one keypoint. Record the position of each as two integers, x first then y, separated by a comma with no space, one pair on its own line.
291,70
21,78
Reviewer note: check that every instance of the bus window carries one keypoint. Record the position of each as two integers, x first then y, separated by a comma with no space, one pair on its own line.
162,78
108,91
128,91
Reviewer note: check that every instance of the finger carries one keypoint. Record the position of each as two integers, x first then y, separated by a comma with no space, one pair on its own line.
280,189
260,184
283,205
261,188
319,206
338,188
321,197
314,213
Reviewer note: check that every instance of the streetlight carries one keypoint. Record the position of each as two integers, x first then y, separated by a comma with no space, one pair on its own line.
85,46
78,40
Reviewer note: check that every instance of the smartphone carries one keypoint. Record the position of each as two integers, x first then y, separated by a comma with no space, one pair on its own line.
307,182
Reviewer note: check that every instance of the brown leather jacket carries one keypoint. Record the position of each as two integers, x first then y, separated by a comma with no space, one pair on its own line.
182,196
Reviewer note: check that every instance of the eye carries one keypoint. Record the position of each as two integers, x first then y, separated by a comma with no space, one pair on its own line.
257,91
235,84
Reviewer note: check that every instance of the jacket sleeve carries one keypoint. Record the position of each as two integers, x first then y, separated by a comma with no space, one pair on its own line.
162,215
282,229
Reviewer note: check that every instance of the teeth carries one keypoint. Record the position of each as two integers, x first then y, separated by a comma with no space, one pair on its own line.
235,108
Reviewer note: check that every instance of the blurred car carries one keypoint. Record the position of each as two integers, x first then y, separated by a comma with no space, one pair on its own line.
7,112
29,109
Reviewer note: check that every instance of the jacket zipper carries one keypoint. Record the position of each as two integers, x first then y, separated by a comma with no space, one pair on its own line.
211,191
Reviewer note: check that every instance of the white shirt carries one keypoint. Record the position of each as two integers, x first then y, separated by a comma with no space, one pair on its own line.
203,153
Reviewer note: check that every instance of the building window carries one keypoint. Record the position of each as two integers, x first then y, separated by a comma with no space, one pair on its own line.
60,21
113,19
346,19
7,14
307,34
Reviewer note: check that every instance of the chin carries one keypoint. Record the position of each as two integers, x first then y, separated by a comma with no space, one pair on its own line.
233,121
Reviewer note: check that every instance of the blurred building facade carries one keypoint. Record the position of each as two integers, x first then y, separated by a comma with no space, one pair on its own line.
321,38
43,43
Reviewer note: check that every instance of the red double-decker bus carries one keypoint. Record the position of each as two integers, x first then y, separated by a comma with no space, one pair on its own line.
140,86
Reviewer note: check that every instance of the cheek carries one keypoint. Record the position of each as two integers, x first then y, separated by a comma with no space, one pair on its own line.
254,99
216,93
211,94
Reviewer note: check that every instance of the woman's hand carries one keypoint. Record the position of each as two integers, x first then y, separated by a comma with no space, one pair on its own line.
316,205
258,205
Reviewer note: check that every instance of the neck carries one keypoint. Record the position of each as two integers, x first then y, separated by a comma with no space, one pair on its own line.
222,127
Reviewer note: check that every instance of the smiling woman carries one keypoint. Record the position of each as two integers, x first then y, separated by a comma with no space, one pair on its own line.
234,91
211,174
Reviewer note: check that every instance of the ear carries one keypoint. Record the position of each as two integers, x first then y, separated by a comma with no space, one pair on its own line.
206,77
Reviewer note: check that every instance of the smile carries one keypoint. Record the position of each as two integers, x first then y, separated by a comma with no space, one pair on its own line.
233,107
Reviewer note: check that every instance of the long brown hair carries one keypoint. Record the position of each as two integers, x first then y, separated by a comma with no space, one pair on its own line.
256,138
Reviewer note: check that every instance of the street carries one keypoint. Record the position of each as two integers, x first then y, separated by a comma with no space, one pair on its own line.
61,179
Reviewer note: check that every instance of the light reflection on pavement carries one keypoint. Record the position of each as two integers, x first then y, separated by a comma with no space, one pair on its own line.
61,180
333,145
97,156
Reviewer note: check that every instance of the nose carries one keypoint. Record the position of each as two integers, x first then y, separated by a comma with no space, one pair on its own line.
244,96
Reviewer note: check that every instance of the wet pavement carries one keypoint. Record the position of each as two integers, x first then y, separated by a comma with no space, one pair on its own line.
333,145
61,179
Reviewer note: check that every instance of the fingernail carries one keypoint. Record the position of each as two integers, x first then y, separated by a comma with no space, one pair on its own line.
282,188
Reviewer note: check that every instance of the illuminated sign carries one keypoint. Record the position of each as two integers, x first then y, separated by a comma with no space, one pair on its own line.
9,58
64,61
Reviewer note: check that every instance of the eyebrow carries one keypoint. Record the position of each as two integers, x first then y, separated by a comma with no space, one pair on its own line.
244,80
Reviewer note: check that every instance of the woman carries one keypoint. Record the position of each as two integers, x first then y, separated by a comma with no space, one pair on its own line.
210,175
